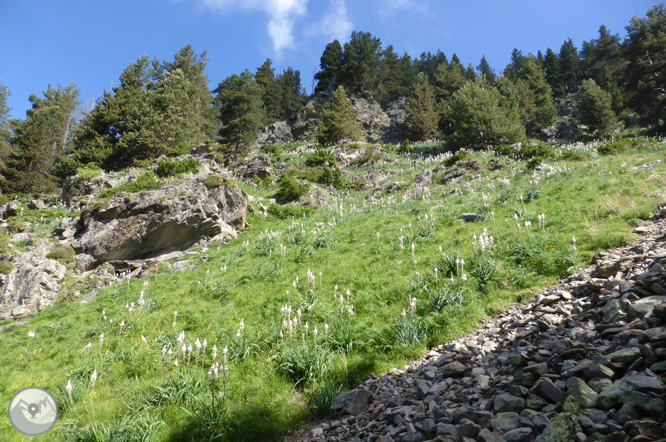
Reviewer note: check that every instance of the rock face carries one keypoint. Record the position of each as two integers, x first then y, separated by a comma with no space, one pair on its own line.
276,133
561,369
259,166
32,285
159,221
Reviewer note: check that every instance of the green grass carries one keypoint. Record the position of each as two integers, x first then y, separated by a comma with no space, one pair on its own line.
275,382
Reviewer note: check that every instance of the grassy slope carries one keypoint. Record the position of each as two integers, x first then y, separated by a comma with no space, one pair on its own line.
135,396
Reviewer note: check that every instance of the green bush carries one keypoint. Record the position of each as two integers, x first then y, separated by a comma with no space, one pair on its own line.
368,157
169,167
88,172
405,147
614,147
214,181
146,181
460,156
533,150
284,212
321,157
62,254
290,189
182,149
272,149
505,149
6,267
572,155
534,163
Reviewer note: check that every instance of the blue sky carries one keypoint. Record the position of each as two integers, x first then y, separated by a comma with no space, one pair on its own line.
89,42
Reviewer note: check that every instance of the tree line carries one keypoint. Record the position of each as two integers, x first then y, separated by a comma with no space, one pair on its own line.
166,107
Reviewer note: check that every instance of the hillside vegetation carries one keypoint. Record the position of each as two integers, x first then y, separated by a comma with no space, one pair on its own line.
299,308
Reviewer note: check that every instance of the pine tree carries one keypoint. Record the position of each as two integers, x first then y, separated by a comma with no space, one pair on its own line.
241,117
291,98
360,63
5,132
484,69
536,99
161,109
594,107
448,80
570,66
330,64
40,139
645,50
551,65
270,91
483,117
423,119
338,120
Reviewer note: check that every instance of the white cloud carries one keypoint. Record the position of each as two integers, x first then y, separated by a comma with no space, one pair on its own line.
393,6
335,25
282,16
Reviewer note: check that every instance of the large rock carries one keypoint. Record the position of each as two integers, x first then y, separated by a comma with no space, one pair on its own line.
353,402
259,166
32,285
275,133
163,220
563,428
370,114
644,306
74,188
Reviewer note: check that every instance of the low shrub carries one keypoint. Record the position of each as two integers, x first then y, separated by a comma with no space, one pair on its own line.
215,181
290,189
460,156
88,172
284,212
182,149
6,267
505,149
405,147
534,163
368,157
62,254
169,167
614,147
533,150
146,181
321,157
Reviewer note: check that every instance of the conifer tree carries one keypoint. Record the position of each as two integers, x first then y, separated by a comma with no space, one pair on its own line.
239,100
40,139
423,119
645,50
330,64
270,91
360,63
484,69
482,117
536,99
5,132
338,120
570,66
551,65
594,107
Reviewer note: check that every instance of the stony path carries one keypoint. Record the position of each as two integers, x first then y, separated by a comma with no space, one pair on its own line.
581,363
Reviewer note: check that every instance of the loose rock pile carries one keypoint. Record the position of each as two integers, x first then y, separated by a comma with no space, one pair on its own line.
584,362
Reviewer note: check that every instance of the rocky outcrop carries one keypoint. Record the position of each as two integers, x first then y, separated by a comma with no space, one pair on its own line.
275,133
32,285
73,188
560,369
259,166
160,221
370,114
